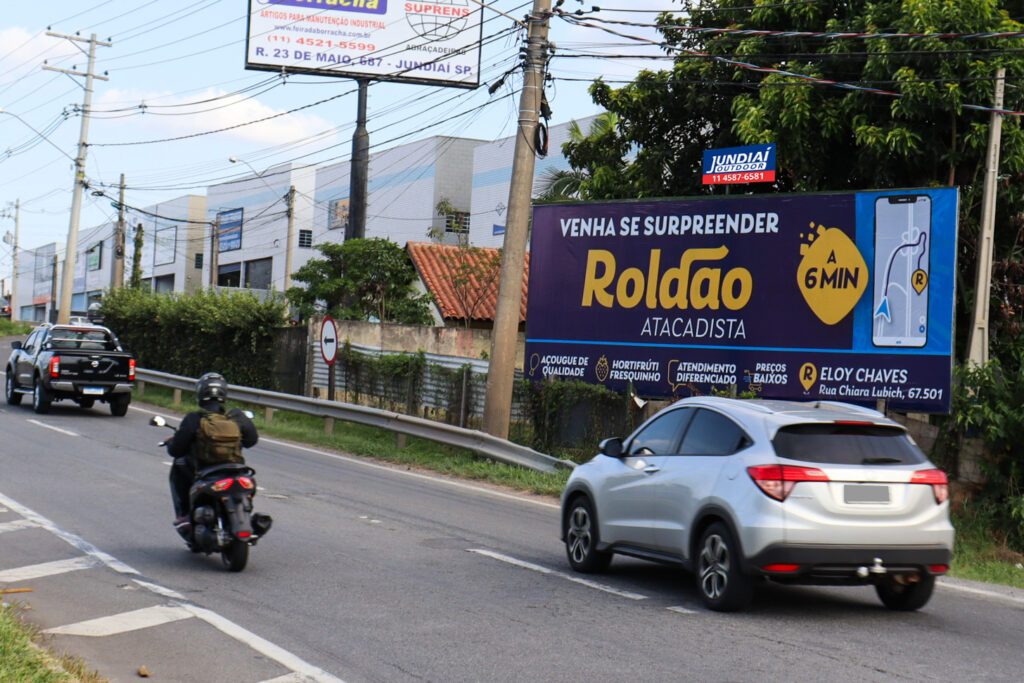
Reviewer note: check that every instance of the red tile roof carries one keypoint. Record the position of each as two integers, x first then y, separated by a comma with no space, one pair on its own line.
464,281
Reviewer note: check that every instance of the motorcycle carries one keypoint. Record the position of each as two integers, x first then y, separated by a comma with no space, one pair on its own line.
220,507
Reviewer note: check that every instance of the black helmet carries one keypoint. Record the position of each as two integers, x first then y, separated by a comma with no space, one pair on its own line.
211,387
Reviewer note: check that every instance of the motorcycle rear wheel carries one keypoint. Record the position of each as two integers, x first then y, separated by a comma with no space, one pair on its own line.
235,555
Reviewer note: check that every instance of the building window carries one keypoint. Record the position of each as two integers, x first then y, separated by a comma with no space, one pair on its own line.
457,222
305,239
199,260
257,274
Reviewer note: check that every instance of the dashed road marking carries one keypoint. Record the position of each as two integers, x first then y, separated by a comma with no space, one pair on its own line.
38,571
682,610
124,622
51,427
553,572
17,524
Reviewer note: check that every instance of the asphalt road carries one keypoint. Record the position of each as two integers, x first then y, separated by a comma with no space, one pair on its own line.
378,574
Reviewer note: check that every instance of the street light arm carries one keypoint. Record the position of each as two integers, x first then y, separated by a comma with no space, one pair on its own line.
4,111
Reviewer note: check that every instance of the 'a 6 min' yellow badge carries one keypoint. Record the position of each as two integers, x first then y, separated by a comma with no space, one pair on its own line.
832,275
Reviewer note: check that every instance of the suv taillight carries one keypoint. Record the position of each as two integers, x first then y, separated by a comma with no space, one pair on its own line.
55,366
937,480
778,481
131,368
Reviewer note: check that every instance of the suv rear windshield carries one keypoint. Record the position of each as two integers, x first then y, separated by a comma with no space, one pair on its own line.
843,444
92,340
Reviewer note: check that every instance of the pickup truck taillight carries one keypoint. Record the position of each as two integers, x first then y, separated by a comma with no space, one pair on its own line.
55,366
131,368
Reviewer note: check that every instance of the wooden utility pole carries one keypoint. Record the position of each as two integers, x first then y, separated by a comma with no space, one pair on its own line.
70,251
500,377
978,344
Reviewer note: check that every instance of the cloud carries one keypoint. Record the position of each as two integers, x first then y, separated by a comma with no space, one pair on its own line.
232,114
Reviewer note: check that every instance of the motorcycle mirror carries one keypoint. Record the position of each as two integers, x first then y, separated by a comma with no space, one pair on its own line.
157,421
249,414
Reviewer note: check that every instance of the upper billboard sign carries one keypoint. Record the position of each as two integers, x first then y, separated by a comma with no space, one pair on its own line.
432,43
752,164
836,297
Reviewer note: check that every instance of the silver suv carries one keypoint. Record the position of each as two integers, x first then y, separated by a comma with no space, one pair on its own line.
806,493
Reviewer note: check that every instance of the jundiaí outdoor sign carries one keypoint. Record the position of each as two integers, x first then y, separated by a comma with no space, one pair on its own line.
839,296
752,164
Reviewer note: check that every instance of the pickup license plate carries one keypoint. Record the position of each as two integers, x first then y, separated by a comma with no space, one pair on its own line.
865,493
92,391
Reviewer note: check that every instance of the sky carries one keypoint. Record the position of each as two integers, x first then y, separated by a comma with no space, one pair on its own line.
177,70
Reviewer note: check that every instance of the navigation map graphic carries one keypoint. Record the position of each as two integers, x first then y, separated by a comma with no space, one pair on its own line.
902,247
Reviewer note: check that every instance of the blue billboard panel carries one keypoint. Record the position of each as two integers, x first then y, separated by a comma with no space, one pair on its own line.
229,230
837,296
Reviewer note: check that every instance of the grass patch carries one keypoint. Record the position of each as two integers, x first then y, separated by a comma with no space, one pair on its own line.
24,661
979,555
381,445
11,329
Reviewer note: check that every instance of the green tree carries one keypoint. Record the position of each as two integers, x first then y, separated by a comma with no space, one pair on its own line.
361,279
559,185
830,138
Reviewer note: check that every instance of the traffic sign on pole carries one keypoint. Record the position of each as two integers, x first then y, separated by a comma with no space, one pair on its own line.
329,340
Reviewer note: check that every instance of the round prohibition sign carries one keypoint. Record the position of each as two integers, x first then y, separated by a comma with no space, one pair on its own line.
329,340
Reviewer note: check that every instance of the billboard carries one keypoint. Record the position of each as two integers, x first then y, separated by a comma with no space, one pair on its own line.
432,43
731,165
833,296
229,230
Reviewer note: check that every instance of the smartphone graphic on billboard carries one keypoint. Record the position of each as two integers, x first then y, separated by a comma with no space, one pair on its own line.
902,270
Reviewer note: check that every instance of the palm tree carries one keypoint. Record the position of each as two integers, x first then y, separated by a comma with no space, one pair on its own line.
559,185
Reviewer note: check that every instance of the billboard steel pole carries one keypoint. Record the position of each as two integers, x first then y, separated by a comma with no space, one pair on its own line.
498,401
359,171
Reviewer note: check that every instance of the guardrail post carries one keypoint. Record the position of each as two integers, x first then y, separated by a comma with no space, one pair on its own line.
140,387
400,441
328,425
177,396
268,415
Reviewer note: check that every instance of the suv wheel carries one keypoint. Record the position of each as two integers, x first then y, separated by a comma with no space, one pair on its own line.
906,597
581,538
13,397
41,398
721,583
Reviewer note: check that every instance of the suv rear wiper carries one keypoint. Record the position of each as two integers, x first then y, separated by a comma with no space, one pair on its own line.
880,461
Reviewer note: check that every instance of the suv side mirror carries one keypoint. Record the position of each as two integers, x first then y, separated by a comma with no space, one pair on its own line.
612,447
15,345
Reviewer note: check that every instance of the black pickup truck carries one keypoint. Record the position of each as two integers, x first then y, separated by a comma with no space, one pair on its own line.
80,362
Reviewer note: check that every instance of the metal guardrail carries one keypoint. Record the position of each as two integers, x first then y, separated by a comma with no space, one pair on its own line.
479,442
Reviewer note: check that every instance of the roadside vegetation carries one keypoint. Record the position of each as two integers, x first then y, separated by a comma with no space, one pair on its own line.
22,660
980,554
11,329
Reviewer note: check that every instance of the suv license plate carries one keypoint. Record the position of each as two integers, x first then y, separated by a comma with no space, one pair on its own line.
865,493
92,391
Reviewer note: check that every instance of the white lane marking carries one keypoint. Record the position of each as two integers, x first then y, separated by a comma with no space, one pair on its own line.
38,571
124,622
261,645
96,556
289,678
554,572
981,591
394,470
681,610
17,524
56,429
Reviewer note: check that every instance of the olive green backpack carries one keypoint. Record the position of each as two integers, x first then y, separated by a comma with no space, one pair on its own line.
218,440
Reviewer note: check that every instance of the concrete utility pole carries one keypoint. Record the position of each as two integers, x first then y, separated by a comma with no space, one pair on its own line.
359,170
978,344
291,239
498,401
214,250
14,259
117,265
70,251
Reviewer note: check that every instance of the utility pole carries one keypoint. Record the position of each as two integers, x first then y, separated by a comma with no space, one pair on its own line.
14,259
53,287
67,281
291,239
117,266
504,337
136,280
978,344
359,170
214,249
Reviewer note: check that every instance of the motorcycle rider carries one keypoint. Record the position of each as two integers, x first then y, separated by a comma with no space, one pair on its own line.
211,391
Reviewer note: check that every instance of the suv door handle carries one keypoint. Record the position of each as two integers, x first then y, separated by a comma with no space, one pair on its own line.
651,469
